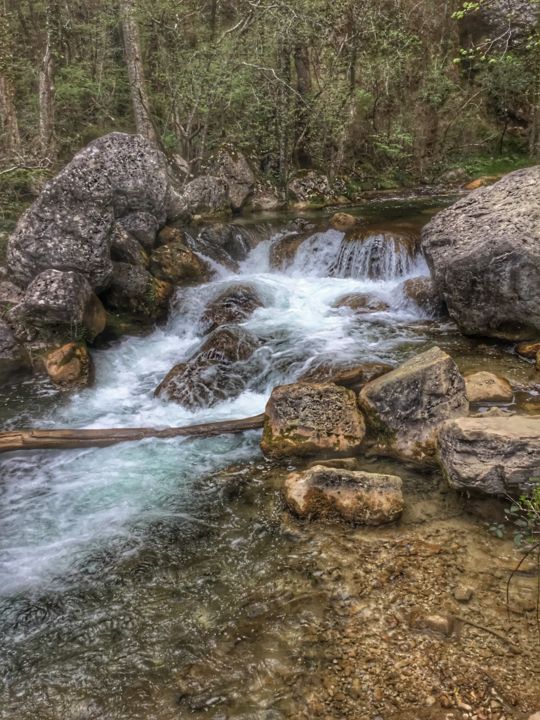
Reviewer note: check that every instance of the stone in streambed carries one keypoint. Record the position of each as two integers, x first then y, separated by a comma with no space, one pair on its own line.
362,303
217,371
353,376
175,263
493,455
317,419
405,407
343,221
488,387
528,349
422,292
234,305
355,496
69,366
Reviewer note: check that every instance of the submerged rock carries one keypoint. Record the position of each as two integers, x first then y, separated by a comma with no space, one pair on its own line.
70,366
231,166
487,387
175,263
134,290
362,303
484,256
495,455
219,370
318,419
63,303
69,226
343,221
234,305
405,407
355,496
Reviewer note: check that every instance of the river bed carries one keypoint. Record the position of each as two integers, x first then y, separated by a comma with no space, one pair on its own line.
164,579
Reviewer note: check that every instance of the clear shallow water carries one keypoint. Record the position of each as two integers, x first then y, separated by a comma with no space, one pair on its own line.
121,567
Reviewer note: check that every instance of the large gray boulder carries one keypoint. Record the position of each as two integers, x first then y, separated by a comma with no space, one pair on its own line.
69,226
231,165
134,290
506,23
206,196
484,256
494,455
11,353
405,407
62,303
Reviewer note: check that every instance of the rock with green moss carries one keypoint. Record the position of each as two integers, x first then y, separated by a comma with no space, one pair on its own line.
312,419
406,407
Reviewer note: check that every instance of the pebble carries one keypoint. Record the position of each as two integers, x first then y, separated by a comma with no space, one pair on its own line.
463,593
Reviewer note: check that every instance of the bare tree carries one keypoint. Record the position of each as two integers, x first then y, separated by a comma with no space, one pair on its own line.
137,83
47,139
9,124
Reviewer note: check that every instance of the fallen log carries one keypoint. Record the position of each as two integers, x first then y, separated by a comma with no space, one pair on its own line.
66,439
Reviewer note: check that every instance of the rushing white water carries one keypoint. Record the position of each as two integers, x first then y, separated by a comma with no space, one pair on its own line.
56,509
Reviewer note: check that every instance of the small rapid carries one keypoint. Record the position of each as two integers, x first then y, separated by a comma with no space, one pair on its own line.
57,507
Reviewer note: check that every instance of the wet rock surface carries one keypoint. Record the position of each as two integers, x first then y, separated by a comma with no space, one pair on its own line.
11,353
134,290
405,407
487,387
317,419
355,496
226,244
175,263
362,303
354,376
422,292
69,366
484,256
218,370
493,455
234,305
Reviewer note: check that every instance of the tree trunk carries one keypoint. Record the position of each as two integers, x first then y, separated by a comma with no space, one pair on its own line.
67,439
46,80
137,83
303,88
11,139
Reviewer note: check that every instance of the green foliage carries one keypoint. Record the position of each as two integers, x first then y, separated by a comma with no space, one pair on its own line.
522,519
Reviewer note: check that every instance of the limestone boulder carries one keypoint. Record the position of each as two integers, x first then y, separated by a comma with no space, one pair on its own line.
355,496
422,292
343,221
234,305
219,370
312,419
310,186
69,226
494,455
142,226
231,166
484,256
12,355
63,303
126,248
486,387
405,407
206,196
134,290
175,263
69,366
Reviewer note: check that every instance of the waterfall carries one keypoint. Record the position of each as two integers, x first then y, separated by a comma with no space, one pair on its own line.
376,256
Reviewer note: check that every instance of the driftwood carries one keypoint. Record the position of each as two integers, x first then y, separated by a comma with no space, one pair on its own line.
66,439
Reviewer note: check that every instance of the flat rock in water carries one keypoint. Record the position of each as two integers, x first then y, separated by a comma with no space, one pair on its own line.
234,305
484,256
355,496
316,419
406,406
495,455
488,387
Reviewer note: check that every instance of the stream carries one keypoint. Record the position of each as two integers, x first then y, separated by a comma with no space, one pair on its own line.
163,579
